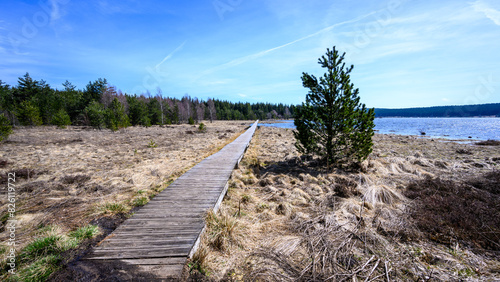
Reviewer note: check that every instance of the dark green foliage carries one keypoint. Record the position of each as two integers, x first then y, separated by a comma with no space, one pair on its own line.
202,127
61,119
5,127
138,111
34,102
27,89
191,120
115,117
7,105
72,100
94,91
29,114
95,114
154,109
47,102
332,123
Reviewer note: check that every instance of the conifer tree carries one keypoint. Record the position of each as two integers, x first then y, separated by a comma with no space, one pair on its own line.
332,123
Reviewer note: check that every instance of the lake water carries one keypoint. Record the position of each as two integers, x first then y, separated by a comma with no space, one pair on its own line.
449,128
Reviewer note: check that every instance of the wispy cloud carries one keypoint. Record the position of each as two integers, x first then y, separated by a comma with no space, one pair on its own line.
55,13
489,12
245,59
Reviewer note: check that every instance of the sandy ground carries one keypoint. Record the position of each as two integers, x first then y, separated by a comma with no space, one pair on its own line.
287,218
65,176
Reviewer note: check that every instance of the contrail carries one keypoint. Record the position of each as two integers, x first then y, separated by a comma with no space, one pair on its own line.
245,59
171,54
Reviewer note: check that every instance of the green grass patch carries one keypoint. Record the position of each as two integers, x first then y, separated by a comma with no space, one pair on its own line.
42,257
113,208
141,201
39,270
86,232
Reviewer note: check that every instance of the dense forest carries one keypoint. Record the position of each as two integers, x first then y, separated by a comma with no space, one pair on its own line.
443,111
100,105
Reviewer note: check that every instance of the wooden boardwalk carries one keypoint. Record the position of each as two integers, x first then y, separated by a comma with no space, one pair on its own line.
160,237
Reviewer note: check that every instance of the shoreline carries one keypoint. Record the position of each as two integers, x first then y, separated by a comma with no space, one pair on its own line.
377,131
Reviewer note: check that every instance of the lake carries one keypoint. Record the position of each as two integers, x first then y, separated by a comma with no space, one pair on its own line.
448,128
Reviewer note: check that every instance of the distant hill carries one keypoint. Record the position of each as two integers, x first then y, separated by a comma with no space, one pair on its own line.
443,111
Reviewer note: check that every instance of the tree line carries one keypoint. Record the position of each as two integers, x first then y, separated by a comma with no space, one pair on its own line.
33,102
443,111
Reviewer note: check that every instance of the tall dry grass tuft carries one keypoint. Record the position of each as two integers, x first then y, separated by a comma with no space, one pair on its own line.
381,194
222,231
322,251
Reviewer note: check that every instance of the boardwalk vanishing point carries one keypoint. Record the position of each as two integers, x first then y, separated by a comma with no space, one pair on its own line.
159,238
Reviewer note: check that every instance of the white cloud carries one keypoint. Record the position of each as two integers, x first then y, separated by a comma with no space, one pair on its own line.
242,95
489,12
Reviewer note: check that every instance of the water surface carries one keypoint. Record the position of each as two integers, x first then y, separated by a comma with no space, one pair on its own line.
449,128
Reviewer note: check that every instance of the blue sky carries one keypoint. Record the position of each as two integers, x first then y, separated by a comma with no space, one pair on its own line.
405,53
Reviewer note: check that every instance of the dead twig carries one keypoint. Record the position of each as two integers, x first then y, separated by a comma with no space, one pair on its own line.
373,269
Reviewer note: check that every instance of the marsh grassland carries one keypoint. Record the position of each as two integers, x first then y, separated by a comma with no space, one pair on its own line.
420,209
73,178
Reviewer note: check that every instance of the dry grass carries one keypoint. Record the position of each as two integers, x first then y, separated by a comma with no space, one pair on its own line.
71,177
303,223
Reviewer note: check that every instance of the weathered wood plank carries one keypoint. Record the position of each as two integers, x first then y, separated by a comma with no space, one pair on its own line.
156,261
159,237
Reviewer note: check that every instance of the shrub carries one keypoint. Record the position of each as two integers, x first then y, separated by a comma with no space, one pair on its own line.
61,119
29,114
332,123
115,117
445,210
5,128
152,144
202,127
95,114
191,121
488,143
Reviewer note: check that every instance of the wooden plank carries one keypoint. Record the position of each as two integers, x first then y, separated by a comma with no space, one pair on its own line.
159,237
156,261
131,244
141,253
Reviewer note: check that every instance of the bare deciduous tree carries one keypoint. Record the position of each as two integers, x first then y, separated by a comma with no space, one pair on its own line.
211,109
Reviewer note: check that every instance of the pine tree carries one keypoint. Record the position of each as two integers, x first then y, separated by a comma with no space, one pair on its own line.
61,119
5,128
95,114
115,117
332,123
